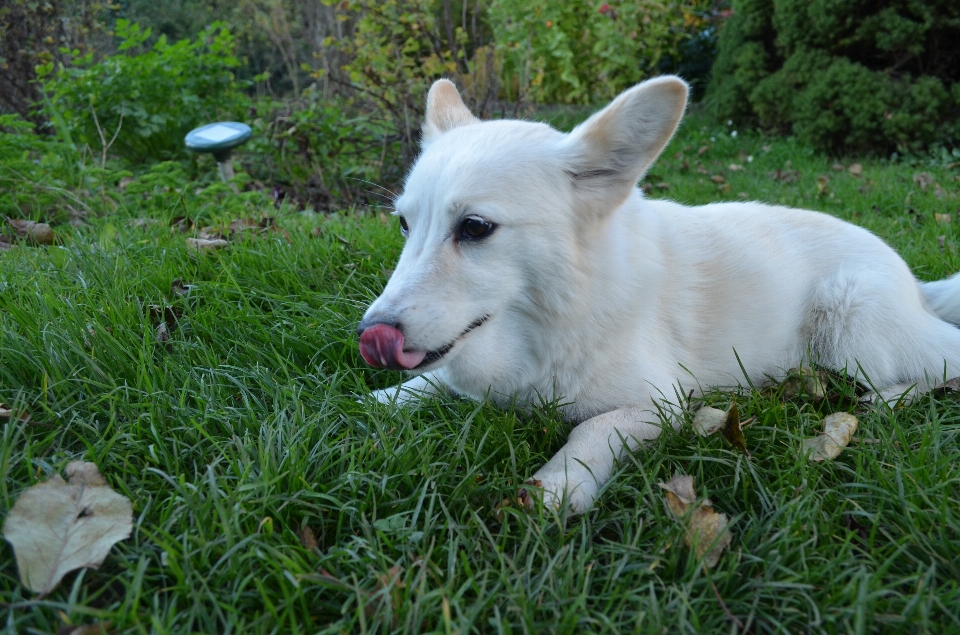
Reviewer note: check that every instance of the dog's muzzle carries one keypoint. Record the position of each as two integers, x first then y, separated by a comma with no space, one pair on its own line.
381,346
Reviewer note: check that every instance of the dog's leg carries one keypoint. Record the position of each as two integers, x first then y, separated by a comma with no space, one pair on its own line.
585,463
410,392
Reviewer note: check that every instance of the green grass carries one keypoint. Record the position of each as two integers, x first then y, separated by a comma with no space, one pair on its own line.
246,428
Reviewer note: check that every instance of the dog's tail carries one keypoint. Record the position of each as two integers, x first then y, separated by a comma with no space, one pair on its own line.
943,298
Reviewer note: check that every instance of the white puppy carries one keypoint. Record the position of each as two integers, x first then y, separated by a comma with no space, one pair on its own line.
534,268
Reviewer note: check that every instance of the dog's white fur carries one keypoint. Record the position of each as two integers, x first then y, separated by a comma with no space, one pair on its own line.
609,302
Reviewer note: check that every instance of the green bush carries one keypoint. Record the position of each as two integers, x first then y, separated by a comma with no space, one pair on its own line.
322,153
153,96
38,173
845,75
586,52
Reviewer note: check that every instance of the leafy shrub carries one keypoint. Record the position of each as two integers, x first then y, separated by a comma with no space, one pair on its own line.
845,75
38,173
153,97
322,153
583,52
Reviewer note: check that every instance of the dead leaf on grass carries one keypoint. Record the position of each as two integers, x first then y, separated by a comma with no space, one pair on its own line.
85,629
718,179
179,288
709,420
923,179
736,167
307,538
805,382
785,176
855,170
838,429
707,532
951,385
207,244
837,167
37,233
58,526
823,181
943,218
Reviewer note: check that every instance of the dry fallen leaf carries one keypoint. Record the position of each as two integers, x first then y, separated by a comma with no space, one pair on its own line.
709,420
717,178
838,429
38,233
85,629
951,385
56,526
307,538
708,532
805,381
206,244
856,169
943,218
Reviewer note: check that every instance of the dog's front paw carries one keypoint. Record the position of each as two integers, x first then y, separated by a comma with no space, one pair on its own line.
576,488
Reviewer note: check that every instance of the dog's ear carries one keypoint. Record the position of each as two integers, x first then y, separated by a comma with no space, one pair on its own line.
445,111
610,151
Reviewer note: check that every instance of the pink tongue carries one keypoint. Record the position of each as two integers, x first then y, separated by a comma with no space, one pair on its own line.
381,346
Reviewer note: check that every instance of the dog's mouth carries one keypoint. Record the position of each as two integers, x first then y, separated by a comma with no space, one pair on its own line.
381,346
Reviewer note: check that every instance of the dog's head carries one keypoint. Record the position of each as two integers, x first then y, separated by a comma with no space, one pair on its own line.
498,216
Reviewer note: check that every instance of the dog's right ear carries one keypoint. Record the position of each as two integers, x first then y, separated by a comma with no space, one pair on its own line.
609,152
445,111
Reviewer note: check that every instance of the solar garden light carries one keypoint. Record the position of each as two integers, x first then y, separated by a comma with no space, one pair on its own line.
219,139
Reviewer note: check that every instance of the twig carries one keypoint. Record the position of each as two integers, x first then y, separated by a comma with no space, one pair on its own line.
733,618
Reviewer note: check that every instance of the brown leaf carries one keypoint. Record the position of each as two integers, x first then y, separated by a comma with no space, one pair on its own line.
785,176
718,178
37,233
943,218
307,538
838,429
388,588
951,385
731,429
735,167
181,223
822,182
855,170
56,526
206,244
85,629
702,150
837,167
707,532
923,179
708,420
805,382
142,222
680,494
179,288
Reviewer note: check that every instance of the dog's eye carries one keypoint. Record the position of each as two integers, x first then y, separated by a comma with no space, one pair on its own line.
475,228
404,228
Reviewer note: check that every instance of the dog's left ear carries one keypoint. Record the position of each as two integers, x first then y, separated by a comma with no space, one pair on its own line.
445,111
610,151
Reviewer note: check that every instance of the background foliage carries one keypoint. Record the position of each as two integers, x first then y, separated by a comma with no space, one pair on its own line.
845,75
